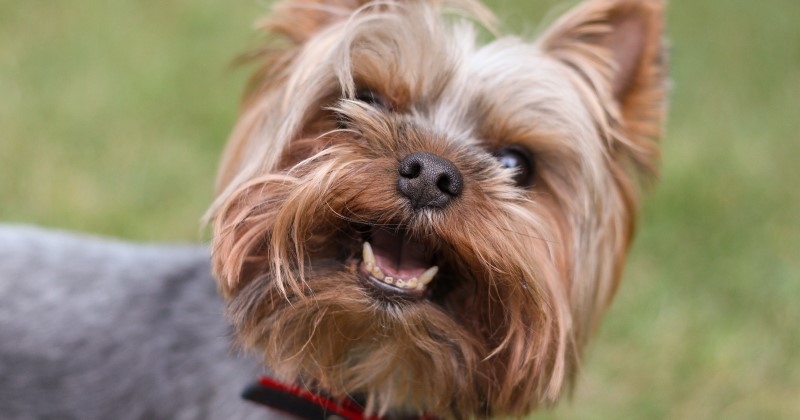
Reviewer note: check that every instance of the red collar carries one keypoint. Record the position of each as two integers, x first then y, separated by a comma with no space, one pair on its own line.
304,403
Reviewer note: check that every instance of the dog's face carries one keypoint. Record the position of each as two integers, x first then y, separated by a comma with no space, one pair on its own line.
429,223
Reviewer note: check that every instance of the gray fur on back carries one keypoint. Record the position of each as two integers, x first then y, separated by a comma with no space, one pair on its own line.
94,328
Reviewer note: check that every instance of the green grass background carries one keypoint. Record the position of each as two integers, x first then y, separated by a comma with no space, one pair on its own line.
113,115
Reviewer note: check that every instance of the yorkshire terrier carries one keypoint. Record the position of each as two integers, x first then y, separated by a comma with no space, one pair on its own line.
426,223
406,219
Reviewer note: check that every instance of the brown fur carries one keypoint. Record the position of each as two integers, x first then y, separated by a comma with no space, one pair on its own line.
526,273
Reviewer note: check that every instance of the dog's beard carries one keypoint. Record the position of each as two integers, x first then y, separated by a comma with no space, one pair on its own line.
522,273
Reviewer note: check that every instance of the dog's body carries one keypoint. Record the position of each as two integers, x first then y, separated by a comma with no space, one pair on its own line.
404,216
94,328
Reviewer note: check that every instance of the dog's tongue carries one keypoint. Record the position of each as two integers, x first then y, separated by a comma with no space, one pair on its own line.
398,256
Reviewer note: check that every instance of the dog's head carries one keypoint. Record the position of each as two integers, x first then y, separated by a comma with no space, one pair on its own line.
433,224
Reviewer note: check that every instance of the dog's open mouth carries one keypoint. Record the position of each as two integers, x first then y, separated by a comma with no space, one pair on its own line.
397,265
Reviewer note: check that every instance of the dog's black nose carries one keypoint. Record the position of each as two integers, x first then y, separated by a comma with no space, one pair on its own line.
429,180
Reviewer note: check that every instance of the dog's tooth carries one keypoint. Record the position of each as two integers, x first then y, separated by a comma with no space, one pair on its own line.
400,283
368,256
388,280
412,283
428,275
377,273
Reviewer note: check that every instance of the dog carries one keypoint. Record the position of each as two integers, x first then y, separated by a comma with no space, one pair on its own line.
431,225
406,218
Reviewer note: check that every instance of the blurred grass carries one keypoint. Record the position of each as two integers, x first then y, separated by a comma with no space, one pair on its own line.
113,115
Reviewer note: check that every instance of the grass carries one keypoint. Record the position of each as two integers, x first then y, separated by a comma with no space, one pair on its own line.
113,115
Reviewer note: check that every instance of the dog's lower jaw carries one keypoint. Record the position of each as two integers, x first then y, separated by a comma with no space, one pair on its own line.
403,356
465,349
398,266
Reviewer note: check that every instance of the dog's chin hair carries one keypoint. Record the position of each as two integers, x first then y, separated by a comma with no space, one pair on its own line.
528,271
297,340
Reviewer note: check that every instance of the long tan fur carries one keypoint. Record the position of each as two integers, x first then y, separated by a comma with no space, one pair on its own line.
528,271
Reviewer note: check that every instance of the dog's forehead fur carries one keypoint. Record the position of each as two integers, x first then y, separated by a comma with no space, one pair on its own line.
506,91
434,68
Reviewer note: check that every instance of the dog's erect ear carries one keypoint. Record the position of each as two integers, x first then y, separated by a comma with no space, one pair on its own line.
617,47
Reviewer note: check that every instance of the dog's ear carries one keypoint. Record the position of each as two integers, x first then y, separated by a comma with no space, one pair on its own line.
617,48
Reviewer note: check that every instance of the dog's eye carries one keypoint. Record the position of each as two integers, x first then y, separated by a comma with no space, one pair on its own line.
369,97
520,160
